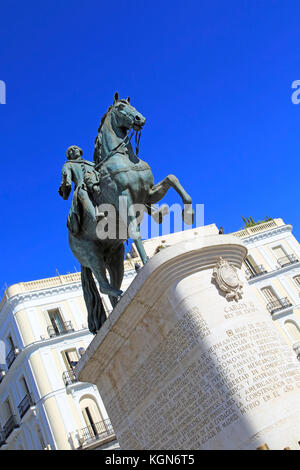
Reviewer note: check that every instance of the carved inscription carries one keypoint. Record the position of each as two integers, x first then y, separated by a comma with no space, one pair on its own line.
250,366
239,310
180,341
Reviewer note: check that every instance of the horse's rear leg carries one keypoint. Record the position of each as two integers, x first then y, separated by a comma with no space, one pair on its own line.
133,226
105,287
115,267
159,190
94,260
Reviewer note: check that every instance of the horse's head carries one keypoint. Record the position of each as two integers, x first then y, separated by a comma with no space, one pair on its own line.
126,116
115,127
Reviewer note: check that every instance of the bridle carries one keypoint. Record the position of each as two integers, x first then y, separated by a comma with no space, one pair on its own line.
124,142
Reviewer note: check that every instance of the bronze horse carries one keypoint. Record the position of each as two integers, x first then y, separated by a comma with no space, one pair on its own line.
117,174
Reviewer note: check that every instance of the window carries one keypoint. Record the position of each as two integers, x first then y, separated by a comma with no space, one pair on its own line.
57,322
297,280
26,401
24,387
91,413
250,263
274,303
279,251
253,268
293,330
7,410
269,294
11,354
9,419
10,342
70,358
284,258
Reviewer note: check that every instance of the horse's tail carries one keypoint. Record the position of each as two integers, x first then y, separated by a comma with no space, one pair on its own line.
93,301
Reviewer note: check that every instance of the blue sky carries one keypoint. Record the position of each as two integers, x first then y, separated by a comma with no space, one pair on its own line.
213,80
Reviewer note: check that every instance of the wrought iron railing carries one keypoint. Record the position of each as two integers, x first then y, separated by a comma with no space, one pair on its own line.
256,270
25,404
286,260
95,432
69,377
278,304
62,329
9,426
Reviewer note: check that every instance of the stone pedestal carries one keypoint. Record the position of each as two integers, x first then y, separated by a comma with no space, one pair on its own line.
190,360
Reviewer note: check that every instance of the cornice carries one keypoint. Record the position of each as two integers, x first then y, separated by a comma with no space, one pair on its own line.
267,233
24,297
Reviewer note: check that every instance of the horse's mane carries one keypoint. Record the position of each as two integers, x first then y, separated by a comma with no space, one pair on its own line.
97,148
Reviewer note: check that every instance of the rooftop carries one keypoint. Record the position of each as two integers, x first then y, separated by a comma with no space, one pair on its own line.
46,283
259,227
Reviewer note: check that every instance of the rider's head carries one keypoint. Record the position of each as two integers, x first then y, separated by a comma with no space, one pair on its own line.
74,152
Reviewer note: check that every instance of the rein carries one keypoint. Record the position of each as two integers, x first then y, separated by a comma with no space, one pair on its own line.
123,143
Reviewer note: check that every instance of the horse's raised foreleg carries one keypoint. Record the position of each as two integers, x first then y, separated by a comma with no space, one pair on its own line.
158,191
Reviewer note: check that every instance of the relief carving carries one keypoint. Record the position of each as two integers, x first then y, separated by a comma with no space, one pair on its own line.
226,277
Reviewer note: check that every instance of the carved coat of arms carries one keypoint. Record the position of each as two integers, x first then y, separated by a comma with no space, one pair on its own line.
227,279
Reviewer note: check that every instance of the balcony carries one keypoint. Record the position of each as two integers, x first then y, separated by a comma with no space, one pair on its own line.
278,304
96,432
61,329
255,271
69,377
9,426
24,405
287,260
11,356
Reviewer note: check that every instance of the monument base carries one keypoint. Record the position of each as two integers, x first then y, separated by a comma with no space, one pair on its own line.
191,360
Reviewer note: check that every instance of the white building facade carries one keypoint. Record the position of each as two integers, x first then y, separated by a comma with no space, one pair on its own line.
43,332
273,268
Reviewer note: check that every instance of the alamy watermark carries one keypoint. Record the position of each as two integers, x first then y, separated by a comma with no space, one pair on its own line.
296,94
133,221
2,92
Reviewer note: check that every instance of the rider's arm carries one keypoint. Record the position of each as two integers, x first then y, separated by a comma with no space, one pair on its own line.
66,182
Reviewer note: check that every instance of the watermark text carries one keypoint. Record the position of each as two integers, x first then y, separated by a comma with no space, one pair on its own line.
2,92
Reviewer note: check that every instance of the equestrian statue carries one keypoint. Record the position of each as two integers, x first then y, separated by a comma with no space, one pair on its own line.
117,177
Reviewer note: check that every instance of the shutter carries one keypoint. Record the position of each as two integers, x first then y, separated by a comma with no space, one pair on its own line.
269,294
297,280
252,266
279,252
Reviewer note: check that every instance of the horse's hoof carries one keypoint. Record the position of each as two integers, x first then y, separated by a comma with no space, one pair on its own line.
100,216
120,295
188,215
160,213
